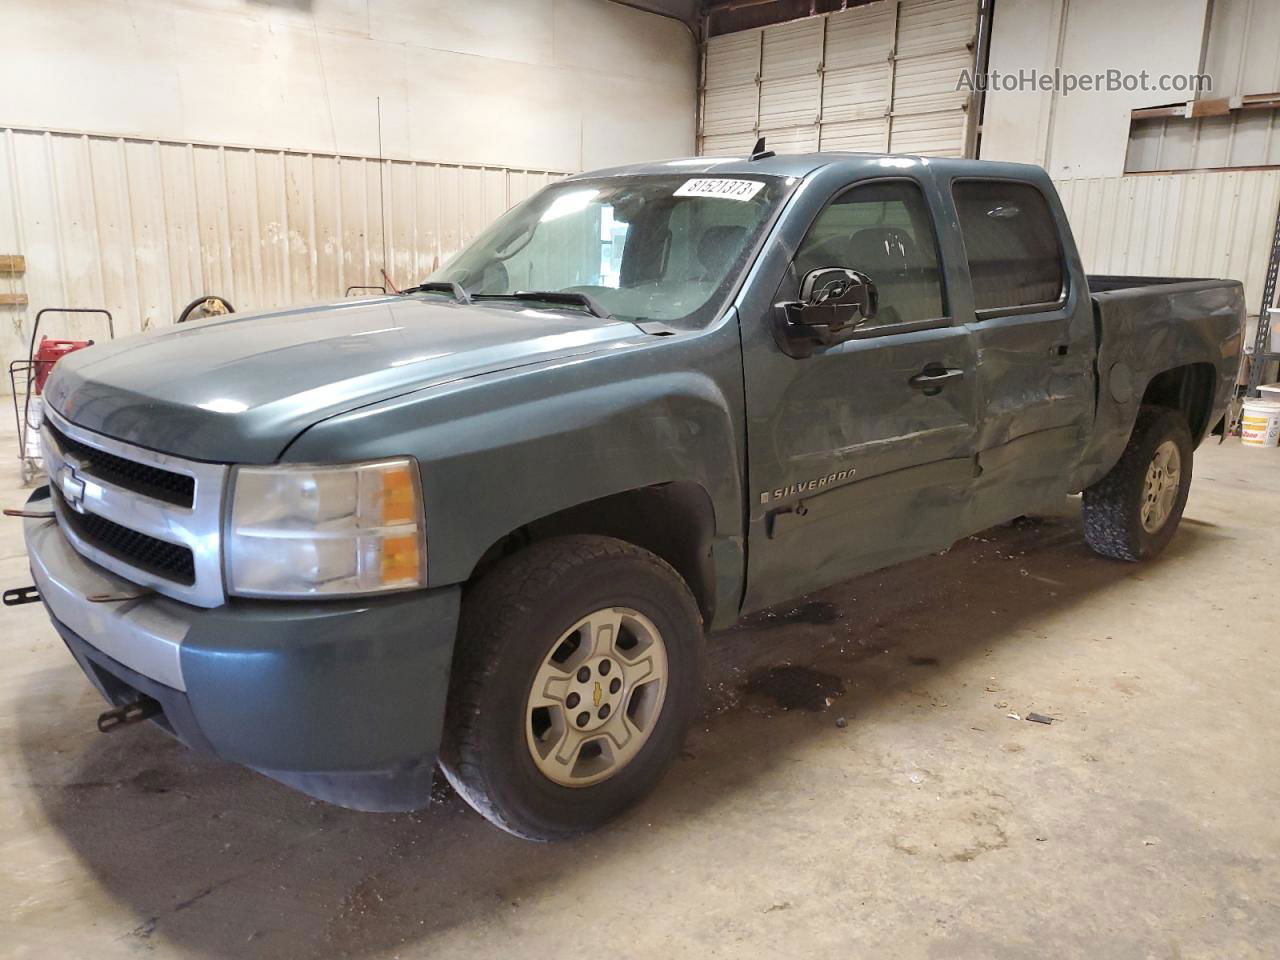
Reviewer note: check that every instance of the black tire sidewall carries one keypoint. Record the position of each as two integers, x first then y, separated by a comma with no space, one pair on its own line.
526,798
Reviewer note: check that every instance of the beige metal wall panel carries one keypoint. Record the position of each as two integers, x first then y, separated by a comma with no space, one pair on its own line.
728,144
730,110
731,100
1215,224
733,59
143,227
792,49
824,79
933,134
1243,138
790,102
858,65
792,139
858,136
790,83
935,26
858,93
927,84
309,76
861,36
1242,54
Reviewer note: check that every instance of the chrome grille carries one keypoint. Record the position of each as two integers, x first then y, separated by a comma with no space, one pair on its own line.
164,559
141,478
150,517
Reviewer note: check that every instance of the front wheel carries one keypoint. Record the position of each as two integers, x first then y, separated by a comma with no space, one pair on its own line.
576,677
1133,512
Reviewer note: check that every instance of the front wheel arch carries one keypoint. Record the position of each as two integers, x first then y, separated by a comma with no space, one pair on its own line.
674,521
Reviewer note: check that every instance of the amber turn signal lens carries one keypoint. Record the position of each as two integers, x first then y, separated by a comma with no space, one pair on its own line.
400,561
399,500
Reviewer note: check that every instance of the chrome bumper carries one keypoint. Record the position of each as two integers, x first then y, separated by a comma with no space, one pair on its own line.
136,633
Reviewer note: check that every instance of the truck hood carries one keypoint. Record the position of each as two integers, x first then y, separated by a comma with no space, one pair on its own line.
240,388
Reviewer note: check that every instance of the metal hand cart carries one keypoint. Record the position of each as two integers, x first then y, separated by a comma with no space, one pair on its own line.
27,378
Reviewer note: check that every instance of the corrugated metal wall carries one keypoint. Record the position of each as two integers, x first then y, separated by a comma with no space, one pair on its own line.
142,227
1242,138
1242,56
879,77
1180,224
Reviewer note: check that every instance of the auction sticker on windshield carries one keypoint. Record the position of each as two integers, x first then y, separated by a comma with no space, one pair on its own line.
716,187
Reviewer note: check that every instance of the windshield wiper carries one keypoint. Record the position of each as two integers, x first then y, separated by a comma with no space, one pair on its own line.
455,290
567,298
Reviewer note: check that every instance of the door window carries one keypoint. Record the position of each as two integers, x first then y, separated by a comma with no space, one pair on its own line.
1011,242
883,230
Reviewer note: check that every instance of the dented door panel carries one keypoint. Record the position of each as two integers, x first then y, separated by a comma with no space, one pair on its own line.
853,468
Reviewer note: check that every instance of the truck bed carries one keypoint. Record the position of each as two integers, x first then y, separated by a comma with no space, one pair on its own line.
1111,282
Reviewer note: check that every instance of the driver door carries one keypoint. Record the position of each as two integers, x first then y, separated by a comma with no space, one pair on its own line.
861,454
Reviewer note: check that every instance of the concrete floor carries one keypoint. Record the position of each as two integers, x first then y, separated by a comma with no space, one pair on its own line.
1141,823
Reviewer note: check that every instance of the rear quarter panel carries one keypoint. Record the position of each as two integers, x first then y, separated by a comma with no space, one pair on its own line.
1146,330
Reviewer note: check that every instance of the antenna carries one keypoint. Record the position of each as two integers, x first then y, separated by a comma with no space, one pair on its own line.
758,152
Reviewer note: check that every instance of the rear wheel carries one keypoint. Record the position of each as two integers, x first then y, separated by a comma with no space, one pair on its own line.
576,678
1133,512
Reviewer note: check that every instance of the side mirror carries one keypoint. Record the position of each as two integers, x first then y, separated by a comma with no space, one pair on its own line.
833,303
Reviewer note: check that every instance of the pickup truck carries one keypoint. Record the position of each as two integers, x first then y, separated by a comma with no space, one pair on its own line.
487,523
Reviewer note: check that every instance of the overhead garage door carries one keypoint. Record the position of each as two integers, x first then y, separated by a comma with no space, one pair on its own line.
880,77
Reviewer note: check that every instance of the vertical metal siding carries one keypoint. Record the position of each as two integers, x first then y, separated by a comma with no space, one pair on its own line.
142,227
1241,53
1243,58
1180,224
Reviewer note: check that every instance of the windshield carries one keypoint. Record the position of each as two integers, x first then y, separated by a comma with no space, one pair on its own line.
663,248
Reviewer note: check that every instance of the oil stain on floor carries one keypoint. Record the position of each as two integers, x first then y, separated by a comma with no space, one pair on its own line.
793,687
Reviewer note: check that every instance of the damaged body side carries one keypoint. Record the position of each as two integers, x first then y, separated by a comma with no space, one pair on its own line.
1173,342
853,468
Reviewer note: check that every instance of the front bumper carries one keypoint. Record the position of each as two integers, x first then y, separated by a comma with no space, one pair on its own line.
343,700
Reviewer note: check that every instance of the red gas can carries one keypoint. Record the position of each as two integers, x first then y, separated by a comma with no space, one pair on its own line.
48,353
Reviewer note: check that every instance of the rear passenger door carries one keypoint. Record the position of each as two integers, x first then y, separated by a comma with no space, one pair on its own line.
1033,335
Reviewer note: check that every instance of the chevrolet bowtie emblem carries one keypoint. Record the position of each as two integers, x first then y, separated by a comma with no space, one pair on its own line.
72,488
595,695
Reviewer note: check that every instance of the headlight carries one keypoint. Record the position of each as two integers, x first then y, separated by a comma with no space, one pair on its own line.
320,530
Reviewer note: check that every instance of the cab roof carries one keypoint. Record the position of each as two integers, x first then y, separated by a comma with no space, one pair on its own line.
800,165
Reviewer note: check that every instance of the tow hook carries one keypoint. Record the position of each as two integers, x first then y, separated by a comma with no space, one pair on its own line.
21,595
135,712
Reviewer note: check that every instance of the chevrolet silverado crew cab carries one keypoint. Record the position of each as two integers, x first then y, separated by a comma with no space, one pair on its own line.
488,522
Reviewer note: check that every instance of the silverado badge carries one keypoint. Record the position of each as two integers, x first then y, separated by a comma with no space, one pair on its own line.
806,486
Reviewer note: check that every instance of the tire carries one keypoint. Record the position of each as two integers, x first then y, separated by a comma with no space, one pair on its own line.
197,309
1114,521
515,623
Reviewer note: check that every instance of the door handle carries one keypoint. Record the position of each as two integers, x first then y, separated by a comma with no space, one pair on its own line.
933,378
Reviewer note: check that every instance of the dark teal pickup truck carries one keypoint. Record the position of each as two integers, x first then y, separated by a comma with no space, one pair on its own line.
488,522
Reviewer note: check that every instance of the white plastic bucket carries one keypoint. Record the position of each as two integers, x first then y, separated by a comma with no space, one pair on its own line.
1260,423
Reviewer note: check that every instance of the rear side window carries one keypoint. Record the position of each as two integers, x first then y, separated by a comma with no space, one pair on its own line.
1011,243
